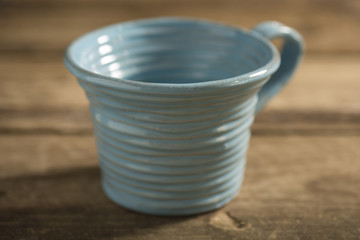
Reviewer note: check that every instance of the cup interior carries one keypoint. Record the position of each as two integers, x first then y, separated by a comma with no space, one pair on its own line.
170,51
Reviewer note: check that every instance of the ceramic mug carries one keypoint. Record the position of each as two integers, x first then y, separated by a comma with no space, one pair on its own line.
172,102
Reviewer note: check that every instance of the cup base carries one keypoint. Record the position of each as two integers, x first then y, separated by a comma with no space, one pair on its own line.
127,201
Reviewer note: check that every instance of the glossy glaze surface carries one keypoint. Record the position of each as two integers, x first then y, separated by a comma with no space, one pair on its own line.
172,102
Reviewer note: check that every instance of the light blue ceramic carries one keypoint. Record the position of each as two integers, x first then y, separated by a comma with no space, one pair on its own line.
172,102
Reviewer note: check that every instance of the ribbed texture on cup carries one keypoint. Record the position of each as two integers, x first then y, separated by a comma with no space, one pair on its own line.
174,150
172,155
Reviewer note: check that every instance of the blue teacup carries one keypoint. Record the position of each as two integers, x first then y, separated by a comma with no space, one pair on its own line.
172,102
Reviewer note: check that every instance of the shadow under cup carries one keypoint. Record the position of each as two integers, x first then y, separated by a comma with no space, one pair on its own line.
172,102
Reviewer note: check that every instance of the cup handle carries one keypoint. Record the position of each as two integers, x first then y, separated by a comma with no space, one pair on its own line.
291,54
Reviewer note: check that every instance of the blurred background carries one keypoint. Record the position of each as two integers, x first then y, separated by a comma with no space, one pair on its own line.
327,25
302,176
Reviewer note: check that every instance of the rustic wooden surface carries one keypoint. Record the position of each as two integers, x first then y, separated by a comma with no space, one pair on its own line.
302,179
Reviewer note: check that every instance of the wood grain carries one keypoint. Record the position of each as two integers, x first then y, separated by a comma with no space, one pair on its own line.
328,26
307,189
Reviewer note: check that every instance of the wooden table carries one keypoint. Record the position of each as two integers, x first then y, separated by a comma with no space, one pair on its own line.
303,171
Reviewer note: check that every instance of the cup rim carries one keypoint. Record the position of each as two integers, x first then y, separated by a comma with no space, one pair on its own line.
260,73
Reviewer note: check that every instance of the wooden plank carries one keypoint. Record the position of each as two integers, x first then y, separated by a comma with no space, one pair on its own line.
39,95
296,187
43,83
34,154
330,26
323,83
